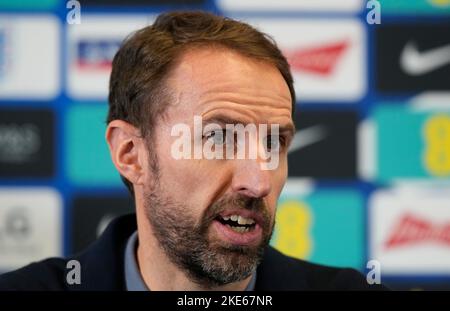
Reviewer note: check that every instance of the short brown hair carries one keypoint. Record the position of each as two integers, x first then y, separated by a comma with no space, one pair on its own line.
143,62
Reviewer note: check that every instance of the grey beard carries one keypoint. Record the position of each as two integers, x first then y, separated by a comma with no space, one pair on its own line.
208,264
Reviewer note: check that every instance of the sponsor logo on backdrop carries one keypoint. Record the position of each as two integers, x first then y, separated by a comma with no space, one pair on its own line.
320,60
19,142
91,48
26,143
30,226
328,57
418,57
303,228
292,5
421,136
439,3
96,55
91,216
410,230
34,40
324,145
17,224
417,63
308,136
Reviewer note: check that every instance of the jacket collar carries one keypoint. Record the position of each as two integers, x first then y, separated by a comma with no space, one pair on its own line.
102,263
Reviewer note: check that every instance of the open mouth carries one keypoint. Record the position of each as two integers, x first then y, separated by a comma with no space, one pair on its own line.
239,227
237,223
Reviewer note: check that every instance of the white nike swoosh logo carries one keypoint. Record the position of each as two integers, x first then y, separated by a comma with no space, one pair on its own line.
308,136
418,63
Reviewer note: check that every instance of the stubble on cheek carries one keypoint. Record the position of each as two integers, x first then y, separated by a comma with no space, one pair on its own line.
192,246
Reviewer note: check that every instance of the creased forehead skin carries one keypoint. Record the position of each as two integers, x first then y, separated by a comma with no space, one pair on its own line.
216,79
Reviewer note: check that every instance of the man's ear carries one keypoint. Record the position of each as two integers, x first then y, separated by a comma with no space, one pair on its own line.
125,145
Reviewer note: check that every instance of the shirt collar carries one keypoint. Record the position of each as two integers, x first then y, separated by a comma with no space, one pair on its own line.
133,278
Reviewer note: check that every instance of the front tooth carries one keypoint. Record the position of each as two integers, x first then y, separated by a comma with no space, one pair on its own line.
234,217
245,221
241,220
226,218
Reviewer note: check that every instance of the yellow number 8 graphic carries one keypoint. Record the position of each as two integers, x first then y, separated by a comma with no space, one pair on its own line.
437,145
293,223
440,2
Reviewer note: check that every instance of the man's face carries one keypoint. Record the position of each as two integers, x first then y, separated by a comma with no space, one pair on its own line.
214,217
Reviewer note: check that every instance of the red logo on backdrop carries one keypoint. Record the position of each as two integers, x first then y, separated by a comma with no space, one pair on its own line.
320,60
97,54
412,230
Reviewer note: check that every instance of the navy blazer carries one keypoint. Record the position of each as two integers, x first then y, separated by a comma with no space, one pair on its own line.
102,268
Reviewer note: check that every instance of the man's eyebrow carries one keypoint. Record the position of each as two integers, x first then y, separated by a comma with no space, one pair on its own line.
224,120
289,128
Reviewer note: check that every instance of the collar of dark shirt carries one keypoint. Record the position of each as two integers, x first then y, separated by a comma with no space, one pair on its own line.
133,278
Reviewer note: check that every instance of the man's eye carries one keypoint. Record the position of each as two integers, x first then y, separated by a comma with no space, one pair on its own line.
274,142
218,137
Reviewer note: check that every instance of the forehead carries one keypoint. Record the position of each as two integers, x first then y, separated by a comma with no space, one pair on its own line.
208,76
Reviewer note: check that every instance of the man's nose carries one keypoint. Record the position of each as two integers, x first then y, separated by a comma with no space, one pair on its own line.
250,179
